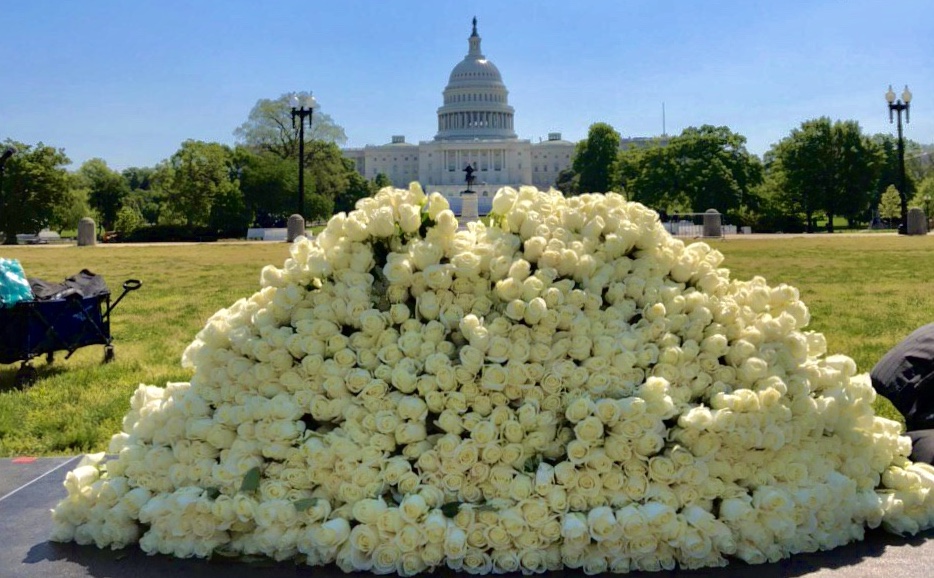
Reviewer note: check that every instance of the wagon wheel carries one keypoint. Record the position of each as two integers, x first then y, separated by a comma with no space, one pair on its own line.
26,376
108,353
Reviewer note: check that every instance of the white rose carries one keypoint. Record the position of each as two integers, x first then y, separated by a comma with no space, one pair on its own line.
504,200
455,543
436,204
410,218
413,508
574,527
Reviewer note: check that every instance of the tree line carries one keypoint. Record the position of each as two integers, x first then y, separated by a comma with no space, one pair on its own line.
203,184
822,170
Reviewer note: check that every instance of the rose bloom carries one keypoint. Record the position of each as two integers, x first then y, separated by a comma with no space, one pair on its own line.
579,409
589,430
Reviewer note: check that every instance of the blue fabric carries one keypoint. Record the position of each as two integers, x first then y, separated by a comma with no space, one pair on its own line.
14,287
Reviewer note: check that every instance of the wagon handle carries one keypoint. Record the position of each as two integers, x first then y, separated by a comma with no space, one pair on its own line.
128,285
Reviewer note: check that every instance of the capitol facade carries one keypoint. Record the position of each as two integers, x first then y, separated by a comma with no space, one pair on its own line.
476,128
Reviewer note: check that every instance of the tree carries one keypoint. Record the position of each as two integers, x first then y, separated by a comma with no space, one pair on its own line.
381,181
858,162
149,203
319,208
269,128
715,169
650,176
358,187
890,169
924,198
229,213
702,168
143,197
327,175
568,182
800,166
128,220
595,159
107,190
827,167
890,206
269,185
138,178
73,207
35,182
196,176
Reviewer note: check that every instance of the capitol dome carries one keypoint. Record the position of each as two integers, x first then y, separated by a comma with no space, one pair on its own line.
476,104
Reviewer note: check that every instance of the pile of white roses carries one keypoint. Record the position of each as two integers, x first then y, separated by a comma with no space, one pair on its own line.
568,386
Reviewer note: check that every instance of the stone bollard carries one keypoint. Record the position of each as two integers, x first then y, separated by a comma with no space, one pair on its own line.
469,208
917,223
712,224
296,227
87,232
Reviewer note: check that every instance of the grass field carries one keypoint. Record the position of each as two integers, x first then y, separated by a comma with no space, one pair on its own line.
865,294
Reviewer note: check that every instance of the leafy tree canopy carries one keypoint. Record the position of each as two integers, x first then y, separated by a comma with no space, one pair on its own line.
595,159
107,189
196,176
269,128
34,183
702,168
827,167
890,205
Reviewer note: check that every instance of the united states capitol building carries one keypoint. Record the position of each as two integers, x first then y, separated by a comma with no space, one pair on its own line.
476,128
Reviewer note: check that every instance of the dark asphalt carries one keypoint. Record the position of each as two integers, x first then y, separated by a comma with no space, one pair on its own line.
29,490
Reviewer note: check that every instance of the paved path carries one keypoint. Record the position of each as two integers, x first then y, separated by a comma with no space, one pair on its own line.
29,489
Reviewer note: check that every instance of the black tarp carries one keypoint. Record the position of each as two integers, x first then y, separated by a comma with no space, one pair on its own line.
86,284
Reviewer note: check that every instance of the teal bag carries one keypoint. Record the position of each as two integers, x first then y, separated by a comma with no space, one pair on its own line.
14,287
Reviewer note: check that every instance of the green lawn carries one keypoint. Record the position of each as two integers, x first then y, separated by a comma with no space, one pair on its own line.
865,294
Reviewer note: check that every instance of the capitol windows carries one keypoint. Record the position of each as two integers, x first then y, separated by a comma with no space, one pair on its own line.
497,160
484,161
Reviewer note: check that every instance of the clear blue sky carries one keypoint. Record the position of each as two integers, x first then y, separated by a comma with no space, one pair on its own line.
128,81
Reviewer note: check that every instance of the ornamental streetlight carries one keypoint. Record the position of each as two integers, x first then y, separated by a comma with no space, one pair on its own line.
898,106
302,108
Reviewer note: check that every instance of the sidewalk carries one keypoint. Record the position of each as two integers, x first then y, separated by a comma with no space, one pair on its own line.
28,490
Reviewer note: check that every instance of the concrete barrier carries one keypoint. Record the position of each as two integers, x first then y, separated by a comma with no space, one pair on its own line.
296,227
712,223
917,223
87,232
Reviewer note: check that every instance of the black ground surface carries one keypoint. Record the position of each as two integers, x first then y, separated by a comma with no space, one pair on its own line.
29,490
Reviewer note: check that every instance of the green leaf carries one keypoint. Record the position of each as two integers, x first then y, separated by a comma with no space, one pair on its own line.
212,493
250,480
450,509
224,552
304,504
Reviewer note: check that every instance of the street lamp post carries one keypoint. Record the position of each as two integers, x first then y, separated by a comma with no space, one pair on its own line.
898,106
302,108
